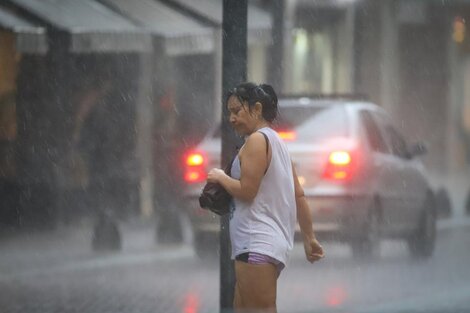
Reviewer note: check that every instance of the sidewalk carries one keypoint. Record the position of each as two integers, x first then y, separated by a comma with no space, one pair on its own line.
69,247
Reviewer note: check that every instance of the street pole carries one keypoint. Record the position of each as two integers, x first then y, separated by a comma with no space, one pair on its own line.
234,63
145,116
276,55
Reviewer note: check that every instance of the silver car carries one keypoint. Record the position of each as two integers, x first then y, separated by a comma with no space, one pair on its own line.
362,180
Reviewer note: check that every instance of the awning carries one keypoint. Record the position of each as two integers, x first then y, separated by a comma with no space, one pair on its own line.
259,21
327,4
181,34
30,38
92,26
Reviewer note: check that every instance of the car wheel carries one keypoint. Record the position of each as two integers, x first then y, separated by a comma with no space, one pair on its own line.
443,203
467,203
206,245
368,245
421,244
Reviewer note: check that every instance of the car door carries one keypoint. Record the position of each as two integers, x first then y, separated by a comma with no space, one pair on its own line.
383,178
407,195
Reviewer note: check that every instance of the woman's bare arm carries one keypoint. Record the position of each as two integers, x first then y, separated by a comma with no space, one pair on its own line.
313,249
253,161
304,215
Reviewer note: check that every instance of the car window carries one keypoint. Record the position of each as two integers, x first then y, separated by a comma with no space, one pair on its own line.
310,123
373,133
396,142
325,123
291,117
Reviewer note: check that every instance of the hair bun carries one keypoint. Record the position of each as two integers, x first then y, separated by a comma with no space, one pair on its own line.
269,90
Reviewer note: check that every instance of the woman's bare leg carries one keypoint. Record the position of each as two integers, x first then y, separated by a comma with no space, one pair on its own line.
256,287
237,301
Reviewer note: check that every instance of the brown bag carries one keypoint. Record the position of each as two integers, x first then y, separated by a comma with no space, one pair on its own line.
214,197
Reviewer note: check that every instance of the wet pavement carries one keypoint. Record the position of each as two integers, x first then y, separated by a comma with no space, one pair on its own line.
59,272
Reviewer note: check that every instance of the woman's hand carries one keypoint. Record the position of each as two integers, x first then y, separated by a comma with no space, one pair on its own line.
215,175
313,250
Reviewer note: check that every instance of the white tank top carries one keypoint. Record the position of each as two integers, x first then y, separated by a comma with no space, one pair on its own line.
267,224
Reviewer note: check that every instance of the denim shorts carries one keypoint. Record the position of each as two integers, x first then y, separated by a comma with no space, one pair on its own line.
259,259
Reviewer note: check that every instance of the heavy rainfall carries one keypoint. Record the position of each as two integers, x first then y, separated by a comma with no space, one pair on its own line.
112,113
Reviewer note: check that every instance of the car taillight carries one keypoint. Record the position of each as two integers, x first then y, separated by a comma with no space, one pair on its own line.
287,135
195,172
195,159
339,166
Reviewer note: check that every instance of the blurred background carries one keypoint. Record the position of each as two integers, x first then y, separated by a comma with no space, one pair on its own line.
100,100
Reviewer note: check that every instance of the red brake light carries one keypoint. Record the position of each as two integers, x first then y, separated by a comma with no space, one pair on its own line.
194,159
287,135
340,158
338,166
195,172
194,176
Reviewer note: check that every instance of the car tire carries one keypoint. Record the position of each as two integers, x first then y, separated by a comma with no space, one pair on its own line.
422,243
467,204
443,203
206,245
367,246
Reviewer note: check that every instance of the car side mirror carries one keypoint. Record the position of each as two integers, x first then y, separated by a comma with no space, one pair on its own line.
418,149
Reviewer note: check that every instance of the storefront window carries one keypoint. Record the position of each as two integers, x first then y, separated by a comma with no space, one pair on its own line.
312,49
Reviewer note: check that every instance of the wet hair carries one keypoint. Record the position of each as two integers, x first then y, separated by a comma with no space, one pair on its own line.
250,93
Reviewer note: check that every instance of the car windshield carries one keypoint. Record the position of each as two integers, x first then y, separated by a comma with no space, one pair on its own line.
313,123
310,123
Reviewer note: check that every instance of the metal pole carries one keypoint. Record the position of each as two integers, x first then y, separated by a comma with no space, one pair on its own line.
234,63
144,128
276,66
217,73
289,17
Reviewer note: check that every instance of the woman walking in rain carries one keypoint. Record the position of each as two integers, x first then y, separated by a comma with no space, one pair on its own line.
267,200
